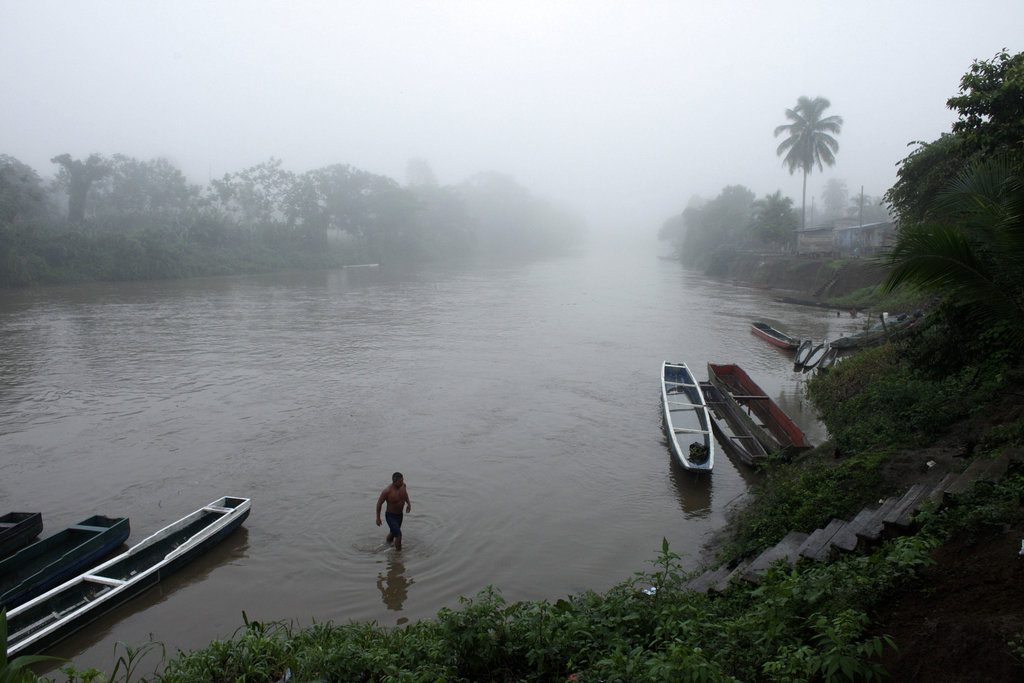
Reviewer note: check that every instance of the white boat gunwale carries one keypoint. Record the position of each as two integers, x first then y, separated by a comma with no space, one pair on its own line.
700,410
116,586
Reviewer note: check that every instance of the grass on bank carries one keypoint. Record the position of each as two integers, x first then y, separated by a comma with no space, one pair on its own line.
872,298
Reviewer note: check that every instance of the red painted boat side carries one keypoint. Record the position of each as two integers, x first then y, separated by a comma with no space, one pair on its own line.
774,418
771,339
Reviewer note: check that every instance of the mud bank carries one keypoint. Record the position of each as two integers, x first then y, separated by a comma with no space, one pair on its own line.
812,279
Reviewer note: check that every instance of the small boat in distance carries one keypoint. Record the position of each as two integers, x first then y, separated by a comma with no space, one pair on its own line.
686,420
39,567
804,350
61,611
772,427
18,529
774,336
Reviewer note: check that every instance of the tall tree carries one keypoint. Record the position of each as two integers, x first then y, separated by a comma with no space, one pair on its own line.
774,219
809,140
834,198
77,177
21,192
990,107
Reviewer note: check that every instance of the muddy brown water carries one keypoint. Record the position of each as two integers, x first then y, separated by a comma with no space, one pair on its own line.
521,401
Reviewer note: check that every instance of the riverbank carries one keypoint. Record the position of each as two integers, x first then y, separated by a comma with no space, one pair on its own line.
842,284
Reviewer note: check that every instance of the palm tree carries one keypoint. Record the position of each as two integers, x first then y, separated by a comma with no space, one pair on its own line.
970,244
810,141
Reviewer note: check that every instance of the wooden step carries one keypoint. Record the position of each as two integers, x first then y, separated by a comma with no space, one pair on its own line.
981,469
938,493
995,472
871,530
786,549
846,538
735,574
702,583
818,546
902,514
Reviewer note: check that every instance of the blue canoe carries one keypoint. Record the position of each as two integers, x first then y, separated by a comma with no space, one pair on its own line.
17,529
48,618
34,570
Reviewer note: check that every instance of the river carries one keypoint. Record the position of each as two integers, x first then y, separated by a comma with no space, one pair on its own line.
521,401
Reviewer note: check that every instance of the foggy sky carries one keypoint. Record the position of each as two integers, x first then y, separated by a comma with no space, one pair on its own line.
623,110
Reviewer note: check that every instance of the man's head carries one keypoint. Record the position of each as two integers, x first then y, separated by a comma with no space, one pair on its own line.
397,479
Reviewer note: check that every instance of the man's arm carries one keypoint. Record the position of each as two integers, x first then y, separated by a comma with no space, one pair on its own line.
408,503
380,503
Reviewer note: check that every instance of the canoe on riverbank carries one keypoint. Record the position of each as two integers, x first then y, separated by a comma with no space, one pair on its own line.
35,569
18,529
58,613
731,430
686,420
762,417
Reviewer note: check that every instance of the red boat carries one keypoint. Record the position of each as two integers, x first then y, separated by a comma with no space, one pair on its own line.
765,419
774,336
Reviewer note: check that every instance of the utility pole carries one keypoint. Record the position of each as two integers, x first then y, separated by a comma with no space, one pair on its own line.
862,206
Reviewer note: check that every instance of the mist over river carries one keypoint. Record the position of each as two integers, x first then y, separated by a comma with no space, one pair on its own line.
521,401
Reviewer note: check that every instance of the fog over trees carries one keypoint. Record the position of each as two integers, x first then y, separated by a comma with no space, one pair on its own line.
261,120
118,217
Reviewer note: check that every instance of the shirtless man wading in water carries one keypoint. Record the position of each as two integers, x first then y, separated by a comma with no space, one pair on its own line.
395,495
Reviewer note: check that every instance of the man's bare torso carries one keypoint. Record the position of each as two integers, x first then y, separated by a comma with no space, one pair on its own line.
395,498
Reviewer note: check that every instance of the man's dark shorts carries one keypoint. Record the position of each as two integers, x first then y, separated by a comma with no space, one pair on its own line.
394,523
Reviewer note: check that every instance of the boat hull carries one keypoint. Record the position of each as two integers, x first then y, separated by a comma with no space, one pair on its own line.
18,529
773,336
815,356
80,601
39,567
776,430
802,352
685,418
738,442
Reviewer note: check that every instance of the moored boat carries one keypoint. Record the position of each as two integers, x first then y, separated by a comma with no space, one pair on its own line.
18,529
816,354
829,359
879,332
802,352
763,417
686,420
773,336
44,564
61,611
730,428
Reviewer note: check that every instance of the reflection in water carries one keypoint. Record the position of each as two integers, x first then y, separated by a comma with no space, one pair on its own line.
394,586
694,489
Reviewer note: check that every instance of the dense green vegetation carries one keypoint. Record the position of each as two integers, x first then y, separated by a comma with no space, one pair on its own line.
129,219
